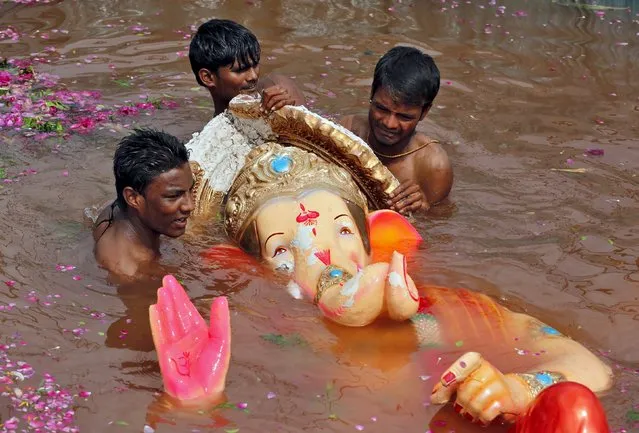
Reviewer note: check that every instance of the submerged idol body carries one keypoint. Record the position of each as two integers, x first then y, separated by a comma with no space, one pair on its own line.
305,197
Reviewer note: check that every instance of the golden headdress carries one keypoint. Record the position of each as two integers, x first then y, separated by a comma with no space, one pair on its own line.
296,126
340,161
272,171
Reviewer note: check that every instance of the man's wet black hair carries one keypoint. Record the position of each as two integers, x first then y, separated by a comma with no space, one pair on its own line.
219,43
142,156
409,75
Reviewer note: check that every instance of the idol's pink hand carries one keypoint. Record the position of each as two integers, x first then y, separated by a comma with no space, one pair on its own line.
194,358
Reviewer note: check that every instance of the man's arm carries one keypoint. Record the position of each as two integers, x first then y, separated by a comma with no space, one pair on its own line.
434,173
431,182
356,124
294,93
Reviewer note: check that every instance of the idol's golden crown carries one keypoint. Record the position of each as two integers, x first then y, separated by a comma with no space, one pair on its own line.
296,126
274,171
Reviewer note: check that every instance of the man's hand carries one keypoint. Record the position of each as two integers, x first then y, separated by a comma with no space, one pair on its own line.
275,97
408,197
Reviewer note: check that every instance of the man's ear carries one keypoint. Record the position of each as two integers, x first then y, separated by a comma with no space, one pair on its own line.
208,78
425,111
133,198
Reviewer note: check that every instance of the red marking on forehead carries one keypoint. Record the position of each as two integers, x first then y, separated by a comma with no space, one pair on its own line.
307,217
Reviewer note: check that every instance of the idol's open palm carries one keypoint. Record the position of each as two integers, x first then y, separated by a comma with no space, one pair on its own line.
194,358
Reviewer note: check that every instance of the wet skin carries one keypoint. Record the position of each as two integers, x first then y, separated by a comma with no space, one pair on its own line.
392,123
132,239
426,175
230,81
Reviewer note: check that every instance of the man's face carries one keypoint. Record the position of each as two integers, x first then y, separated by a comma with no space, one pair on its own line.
168,202
232,80
393,122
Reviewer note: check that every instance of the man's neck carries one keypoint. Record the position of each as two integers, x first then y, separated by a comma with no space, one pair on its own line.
394,150
139,234
220,110
220,105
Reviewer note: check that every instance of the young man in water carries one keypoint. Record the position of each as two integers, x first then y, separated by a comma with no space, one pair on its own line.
225,58
154,183
405,84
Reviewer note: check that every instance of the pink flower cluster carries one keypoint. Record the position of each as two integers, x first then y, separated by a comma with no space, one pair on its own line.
45,408
36,103
9,33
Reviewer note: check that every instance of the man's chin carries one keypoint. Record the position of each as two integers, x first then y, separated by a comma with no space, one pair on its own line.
249,92
175,233
385,142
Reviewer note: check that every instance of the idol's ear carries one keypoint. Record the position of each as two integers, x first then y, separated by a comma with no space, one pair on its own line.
229,257
390,231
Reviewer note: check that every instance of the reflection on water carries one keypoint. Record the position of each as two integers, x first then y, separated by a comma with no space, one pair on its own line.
527,87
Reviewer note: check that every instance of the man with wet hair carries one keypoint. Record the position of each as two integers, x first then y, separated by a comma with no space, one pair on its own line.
153,183
405,84
225,58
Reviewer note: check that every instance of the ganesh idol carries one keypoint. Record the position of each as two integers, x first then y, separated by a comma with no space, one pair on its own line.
304,197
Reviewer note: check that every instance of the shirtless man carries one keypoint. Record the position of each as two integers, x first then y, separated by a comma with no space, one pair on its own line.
225,58
405,84
154,183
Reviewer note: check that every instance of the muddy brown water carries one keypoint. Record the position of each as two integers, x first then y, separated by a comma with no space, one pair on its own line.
523,92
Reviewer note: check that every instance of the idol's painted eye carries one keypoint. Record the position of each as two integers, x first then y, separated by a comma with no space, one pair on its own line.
279,250
345,231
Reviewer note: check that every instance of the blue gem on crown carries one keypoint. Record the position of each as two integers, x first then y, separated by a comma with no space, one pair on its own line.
281,164
336,273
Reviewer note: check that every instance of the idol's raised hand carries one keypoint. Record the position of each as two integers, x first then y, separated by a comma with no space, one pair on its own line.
194,358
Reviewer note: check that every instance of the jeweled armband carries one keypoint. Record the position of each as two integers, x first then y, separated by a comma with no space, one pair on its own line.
330,276
427,329
541,380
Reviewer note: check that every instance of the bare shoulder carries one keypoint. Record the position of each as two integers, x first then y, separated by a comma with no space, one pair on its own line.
432,155
118,265
357,124
113,252
433,169
104,220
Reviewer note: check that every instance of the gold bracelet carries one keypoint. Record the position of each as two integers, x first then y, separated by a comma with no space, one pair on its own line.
540,380
330,276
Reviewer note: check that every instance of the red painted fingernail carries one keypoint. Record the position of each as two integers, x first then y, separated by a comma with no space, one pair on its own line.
457,408
449,378
469,417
